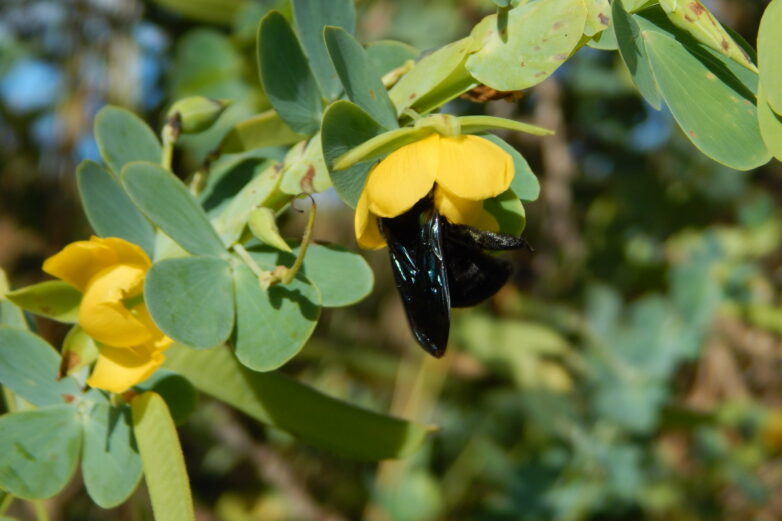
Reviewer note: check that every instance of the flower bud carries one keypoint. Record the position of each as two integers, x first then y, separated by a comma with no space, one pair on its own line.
196,113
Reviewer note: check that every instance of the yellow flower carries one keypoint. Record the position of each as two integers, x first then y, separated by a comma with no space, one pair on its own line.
110,273
464,170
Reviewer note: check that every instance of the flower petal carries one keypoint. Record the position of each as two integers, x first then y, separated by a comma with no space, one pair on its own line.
464,211
473,168
119,368
78,262
403,178
159,339
367,231
103,314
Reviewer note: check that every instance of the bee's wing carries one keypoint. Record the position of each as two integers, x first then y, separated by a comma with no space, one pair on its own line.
418,264
474,276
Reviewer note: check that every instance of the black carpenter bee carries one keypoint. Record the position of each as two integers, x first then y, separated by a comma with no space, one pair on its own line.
439,265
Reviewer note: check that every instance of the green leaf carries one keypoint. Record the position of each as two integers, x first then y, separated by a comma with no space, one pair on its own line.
191,300
770,54
161,455
345,126
54,299
40,449
109,209
305,169
167,203
311,17
508,211
110,464
359,78
263,190
123,137
207,63
284,403
770,125
266,129
286,75
176,390
477,124
10,314
526,45
29,367
272,325
343,277
525,184
210,11
387,55
632,48
436,79
598,16
717,114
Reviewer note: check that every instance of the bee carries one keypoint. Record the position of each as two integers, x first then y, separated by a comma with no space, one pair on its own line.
439,265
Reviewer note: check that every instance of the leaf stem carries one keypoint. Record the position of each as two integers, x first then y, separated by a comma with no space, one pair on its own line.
291,272
41,514
242,252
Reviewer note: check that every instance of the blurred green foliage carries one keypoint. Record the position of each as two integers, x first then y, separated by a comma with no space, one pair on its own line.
631,371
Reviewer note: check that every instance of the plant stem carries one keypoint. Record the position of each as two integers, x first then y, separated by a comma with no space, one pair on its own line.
239,249
291,272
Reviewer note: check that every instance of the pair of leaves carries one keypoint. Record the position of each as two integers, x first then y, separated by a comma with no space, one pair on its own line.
41,446
710,95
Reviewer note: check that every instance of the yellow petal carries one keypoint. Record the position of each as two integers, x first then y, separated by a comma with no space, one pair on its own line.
119,368
403,178
103,314
159,339
464,211
473,168
367,231
78,262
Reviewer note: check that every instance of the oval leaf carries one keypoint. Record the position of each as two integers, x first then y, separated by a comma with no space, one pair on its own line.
718,116
266,129
123,137
770,54
282,402
161,455
110,463
191,299
286,75
109,209
346,126
525,45
632,48
40,449
360,79
167,203
343,277
387,55
54,299
272,325
29,367
311,17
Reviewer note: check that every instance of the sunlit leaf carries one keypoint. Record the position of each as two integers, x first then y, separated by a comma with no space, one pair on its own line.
40,449
54,299
282,402
161,455
191,299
